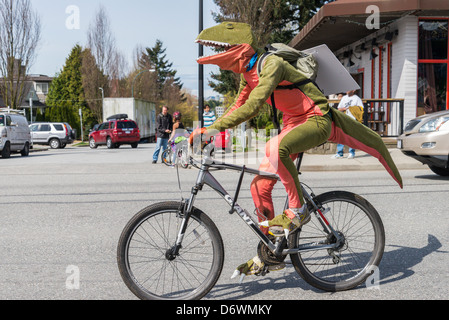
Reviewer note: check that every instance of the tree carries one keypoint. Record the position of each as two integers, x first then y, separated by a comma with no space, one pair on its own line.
101,41
110,62
20,30
166,80
92,80
66,94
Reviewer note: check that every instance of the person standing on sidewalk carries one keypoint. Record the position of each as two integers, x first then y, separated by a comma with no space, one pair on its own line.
348,101
208,117
164,123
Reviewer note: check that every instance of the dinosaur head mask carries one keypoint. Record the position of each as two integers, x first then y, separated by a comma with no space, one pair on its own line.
236,39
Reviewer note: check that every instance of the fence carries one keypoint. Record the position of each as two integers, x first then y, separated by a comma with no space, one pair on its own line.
384,116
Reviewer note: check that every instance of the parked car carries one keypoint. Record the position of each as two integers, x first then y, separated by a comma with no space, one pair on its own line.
14,134
116,131
426,139
54,134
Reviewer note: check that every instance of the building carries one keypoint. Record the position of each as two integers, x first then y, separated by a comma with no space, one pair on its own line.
36,87
395,49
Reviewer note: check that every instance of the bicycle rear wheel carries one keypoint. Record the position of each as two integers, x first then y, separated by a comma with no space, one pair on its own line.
183,155
167,156
354,259
148,268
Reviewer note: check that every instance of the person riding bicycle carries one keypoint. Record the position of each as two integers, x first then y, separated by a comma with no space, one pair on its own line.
307,118
177,133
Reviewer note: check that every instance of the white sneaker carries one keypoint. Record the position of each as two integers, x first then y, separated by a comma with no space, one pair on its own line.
337,156
351,156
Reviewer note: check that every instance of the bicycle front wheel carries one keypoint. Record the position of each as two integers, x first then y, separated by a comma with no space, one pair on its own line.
149,269
358,254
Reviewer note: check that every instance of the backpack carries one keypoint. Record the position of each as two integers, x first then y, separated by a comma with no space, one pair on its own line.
303,62
356,112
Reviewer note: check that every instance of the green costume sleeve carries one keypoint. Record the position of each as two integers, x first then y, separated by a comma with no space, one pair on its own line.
272,74
240,97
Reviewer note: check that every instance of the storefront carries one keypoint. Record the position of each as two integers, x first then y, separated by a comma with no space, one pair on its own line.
433,77
395,49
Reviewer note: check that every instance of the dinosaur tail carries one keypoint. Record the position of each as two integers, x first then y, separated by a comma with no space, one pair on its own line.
355,135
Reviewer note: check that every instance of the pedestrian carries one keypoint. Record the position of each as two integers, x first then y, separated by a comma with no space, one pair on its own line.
164,123
208,116
346,103
178,131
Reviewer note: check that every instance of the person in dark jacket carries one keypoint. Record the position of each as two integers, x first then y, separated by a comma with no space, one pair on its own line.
164,122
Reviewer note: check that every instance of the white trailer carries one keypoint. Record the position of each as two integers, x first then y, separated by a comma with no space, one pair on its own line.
143,112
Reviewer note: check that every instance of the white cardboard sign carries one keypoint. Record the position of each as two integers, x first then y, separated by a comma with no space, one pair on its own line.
332,76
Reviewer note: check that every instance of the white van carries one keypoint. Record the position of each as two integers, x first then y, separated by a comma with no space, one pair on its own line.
14,133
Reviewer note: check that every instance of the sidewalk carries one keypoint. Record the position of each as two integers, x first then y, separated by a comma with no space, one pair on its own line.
323,162
362,161
317,162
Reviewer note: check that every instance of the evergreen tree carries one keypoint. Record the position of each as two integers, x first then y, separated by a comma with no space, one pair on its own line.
155,58
66,93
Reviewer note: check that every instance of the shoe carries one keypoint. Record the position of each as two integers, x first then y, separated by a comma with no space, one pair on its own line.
337,156
351,156
154,161
255,266
288,225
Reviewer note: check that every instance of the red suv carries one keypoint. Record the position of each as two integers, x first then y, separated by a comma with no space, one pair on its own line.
116,131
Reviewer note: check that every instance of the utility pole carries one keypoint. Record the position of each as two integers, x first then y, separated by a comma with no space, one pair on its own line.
200,71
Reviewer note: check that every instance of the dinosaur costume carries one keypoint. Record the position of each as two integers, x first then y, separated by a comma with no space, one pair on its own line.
308,120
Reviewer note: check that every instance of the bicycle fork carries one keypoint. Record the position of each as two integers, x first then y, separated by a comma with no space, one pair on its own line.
185,210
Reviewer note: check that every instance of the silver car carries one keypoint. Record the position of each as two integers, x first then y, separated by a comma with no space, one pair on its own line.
426,139
55,134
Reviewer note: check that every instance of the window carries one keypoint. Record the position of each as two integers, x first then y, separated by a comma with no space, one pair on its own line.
45,127
433,39
34,127
2,121
104,126
42,88
59,127
432,84
433,60
126,125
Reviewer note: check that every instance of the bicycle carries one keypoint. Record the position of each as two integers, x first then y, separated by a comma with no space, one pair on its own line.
181,150
173,250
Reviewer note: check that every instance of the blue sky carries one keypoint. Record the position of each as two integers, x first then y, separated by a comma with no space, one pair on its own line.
133,22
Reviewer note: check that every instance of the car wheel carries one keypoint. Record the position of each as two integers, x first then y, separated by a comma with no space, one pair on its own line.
109,143
6,152
440,171
55,144
92,143
26,150
134,145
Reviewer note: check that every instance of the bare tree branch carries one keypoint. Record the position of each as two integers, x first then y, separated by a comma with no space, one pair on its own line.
20,31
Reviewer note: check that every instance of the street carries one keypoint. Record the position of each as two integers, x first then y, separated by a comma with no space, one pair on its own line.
62,212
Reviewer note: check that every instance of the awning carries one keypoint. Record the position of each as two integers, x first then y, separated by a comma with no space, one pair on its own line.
340,23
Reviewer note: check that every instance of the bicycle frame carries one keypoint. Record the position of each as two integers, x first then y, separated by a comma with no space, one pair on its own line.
206,178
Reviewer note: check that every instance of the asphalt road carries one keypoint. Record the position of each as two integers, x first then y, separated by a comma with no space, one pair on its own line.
62,212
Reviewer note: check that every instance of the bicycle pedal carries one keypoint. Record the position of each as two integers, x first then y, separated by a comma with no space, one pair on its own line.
264,271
